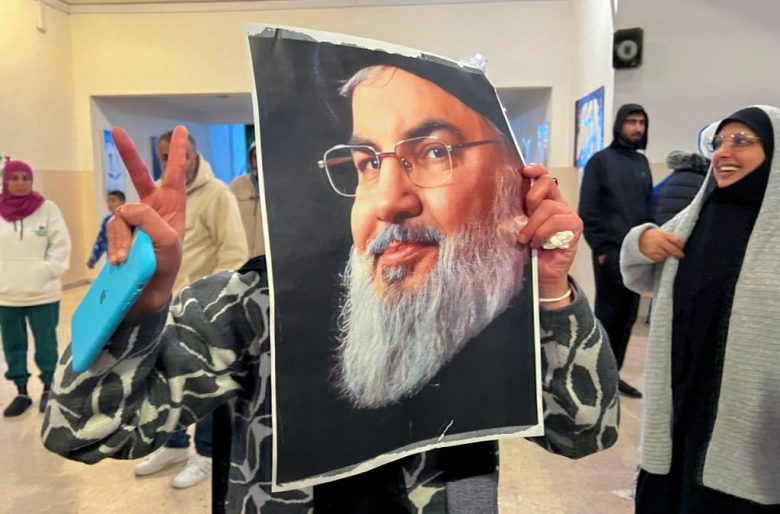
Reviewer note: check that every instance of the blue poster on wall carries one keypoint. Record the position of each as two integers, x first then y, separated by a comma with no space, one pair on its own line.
589,126
113,169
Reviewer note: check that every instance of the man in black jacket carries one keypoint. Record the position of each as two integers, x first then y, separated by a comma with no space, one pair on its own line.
614,197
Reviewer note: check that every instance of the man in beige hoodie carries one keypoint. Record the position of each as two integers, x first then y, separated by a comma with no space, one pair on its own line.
214,241
247,190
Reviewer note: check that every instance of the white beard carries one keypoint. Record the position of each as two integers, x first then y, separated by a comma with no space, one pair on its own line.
391,346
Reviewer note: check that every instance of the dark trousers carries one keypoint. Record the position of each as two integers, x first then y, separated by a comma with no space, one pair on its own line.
616,306
203,437
381,490
679,493
43,321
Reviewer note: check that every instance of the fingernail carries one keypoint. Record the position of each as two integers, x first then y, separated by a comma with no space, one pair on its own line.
522,238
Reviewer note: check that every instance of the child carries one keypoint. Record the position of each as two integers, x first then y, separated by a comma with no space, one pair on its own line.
114,200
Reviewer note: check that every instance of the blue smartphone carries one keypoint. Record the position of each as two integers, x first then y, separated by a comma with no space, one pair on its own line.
108,299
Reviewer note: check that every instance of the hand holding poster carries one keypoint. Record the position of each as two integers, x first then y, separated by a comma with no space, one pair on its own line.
403,303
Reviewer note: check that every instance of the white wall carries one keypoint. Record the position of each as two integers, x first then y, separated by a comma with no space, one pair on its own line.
592,68
703,59
36,87
526,109
528,44
592,58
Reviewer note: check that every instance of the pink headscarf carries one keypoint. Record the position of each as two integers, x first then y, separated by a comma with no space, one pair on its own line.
15,208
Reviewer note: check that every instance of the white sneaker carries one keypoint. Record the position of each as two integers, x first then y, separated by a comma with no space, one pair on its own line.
198,468
161,458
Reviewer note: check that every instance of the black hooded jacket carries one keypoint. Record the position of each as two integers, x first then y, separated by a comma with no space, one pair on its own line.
677,190
616,189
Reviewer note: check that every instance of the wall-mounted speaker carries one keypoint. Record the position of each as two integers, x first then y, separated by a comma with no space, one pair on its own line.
627,48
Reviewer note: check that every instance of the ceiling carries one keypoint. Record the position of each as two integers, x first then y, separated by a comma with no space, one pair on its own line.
202,108
76,6
142,2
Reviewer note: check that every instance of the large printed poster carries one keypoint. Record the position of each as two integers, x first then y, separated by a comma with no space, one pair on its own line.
403,305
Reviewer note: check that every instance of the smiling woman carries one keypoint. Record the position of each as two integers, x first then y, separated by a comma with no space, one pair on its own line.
713,371
737,152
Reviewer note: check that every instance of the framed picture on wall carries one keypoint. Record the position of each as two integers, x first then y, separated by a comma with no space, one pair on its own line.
113,169
588,126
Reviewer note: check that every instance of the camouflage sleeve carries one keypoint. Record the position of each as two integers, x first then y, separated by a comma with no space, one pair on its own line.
579,394
579,382
159,373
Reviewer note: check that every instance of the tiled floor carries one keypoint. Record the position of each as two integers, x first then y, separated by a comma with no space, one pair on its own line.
32,480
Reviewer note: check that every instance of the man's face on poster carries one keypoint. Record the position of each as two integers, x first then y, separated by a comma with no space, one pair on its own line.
434,259
398,106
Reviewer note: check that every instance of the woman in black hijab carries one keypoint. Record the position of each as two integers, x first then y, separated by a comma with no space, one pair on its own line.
711,417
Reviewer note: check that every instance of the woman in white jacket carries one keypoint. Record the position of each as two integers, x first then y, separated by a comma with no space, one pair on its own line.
34,253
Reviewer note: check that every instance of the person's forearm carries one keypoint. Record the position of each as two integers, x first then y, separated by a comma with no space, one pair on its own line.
98,249
637,270
232,256
574,338
158,291
556,294
114,408
78,399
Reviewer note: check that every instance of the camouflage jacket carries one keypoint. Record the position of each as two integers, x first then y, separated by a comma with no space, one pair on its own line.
210,349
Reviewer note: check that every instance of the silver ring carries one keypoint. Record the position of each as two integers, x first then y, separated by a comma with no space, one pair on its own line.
559,240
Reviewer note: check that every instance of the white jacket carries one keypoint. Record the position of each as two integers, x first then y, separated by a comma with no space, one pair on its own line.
34,253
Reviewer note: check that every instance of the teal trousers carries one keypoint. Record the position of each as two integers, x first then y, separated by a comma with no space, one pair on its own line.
43,321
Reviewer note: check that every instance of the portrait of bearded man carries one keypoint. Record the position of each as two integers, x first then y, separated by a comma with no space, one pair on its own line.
401,297
437,197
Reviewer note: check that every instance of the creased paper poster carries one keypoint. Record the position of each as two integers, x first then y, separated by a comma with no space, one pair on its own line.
403,306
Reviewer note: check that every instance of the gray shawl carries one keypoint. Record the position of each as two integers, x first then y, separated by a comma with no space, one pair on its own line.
743,455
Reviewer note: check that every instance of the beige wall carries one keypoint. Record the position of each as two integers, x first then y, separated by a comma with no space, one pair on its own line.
74,198
526,43
37,120
593,28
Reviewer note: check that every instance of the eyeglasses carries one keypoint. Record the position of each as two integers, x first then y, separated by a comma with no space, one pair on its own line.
428,162
738,140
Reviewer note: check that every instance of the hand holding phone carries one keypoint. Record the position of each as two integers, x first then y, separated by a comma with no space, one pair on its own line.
160,213
108,300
